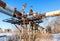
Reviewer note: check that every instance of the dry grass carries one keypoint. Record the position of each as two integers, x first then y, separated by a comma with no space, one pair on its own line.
44,37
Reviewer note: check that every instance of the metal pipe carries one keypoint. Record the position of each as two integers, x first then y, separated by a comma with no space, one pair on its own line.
6,12
6,6
11,9
53,13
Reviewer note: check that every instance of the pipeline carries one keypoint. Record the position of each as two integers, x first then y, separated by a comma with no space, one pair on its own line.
6,6
16,13
6,9
53,13
6,12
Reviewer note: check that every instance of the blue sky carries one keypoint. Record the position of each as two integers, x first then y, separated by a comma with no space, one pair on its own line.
40,6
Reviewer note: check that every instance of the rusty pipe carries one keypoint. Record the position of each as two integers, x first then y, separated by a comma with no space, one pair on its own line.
16,13
6,6
48,14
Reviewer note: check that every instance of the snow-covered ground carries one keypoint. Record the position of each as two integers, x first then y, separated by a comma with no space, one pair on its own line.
7,37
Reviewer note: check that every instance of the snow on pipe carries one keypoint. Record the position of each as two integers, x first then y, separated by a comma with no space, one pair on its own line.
6,6
6,12
53,13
